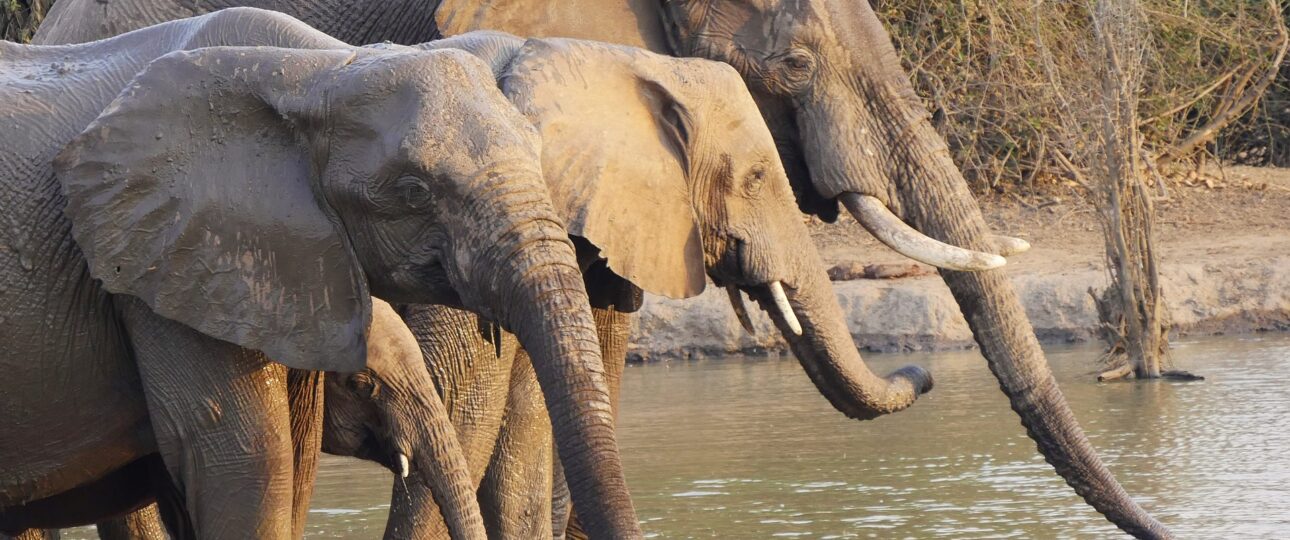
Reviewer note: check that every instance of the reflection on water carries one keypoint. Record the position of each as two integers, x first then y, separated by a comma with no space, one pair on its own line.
746,448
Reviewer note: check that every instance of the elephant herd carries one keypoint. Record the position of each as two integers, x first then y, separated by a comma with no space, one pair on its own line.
241,232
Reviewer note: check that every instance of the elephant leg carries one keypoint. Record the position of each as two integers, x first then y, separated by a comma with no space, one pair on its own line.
142,524
515,494
33,534
305,395
613,328
561,502
170,504
220,416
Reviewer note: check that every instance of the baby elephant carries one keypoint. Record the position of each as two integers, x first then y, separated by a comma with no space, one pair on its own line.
391,407
195,209
391,411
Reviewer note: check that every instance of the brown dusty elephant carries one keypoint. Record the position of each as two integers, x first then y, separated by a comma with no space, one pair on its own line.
233,205
849,128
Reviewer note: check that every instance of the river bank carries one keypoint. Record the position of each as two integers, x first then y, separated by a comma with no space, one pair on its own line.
1224,243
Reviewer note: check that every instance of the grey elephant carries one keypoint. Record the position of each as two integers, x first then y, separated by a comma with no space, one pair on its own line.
849,129
665,175
234,205
678,145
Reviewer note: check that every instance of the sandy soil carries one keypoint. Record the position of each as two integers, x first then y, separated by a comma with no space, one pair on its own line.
1246,208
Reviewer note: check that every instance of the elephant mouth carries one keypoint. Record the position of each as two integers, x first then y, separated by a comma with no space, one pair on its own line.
774,301
388,453
427,273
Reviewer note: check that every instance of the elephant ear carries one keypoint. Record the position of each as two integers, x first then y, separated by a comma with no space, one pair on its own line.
194,191
614,154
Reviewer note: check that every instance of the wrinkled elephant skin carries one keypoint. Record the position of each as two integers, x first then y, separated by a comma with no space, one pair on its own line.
232,206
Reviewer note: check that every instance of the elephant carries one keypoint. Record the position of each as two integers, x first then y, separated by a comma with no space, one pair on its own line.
662,186
850,130
328,174
390,405
625,132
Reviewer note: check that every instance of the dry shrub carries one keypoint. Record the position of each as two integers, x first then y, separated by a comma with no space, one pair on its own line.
976,62
1262,137
19,18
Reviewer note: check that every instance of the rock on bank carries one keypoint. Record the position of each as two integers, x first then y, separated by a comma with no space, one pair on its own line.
1211,291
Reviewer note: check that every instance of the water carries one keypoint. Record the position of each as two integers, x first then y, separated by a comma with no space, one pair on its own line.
749,450
746,448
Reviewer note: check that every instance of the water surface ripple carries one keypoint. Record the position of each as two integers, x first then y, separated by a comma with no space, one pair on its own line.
746,448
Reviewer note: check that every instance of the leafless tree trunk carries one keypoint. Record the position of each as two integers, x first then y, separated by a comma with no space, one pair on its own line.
1097,80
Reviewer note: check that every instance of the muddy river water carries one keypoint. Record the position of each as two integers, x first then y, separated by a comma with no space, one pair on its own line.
746,448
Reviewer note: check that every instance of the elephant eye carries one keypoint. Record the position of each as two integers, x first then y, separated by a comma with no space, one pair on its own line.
798,60
798,67
362,384
755,179
412,191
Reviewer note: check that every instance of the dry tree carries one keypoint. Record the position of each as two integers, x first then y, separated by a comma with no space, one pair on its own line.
1100,94
1095,79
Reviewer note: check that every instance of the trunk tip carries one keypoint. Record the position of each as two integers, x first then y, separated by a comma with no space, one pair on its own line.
917,377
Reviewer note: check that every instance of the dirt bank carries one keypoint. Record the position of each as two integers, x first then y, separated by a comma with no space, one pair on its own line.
1225,259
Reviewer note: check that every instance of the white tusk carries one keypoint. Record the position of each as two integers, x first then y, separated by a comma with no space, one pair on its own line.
1009,245
785,310
737,302
403,465
890,230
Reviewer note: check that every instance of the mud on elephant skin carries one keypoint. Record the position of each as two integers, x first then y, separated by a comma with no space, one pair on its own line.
238,204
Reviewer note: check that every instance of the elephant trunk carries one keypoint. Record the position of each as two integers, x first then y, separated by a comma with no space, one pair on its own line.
437,463
559,334
823,345
530,278
942,207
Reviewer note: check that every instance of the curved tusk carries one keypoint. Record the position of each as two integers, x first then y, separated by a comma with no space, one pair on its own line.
890,230
404,468
1010,245
785,310
737,302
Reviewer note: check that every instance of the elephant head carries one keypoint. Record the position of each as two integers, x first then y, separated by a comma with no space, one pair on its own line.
851,129
665,166
262,196
390,411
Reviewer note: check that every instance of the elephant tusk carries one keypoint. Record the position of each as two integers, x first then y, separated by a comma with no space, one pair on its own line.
404,467
1010,245
785,310
890,230
737,302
